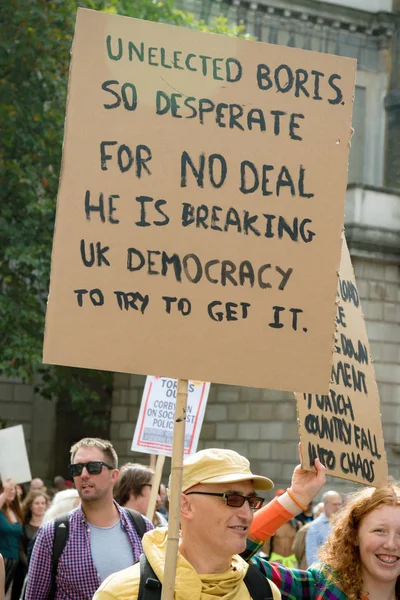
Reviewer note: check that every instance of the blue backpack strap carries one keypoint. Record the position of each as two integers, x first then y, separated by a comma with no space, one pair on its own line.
61,533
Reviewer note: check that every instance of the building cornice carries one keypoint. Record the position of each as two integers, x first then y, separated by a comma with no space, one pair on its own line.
324,15
372,222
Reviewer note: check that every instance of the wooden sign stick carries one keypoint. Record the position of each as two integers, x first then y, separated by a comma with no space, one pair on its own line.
155,486
153,458
178,446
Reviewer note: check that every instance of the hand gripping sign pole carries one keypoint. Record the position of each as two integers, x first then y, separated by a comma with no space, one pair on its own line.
175,491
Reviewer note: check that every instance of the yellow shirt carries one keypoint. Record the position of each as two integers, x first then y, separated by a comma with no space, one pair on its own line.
189,585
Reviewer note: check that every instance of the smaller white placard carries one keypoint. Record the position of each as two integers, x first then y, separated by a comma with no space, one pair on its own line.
155,424
14,461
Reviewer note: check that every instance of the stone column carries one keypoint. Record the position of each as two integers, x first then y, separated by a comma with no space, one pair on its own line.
392,106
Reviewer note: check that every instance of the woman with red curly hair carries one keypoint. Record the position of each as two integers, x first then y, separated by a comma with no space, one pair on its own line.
359,561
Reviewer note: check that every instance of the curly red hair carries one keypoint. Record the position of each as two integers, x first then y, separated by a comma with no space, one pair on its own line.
341,552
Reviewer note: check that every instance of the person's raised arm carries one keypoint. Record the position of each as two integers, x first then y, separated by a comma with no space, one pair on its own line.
304,487
7,494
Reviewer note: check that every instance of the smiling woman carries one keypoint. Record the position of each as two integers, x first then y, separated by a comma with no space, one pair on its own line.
364,548
361,558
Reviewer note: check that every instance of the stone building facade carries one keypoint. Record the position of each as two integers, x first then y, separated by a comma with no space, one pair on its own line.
261,424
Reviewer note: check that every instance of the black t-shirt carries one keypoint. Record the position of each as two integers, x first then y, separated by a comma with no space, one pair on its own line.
304,518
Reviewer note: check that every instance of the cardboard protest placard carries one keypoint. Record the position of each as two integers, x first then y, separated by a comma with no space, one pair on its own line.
14,461
344,429
155,424
200,208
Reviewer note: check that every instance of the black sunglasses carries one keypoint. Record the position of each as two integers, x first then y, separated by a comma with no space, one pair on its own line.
235,500
93,467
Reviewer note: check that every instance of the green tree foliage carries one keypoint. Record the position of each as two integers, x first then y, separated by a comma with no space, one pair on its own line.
35,41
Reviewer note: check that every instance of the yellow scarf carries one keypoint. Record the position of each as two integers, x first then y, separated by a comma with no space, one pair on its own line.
226,586
189,585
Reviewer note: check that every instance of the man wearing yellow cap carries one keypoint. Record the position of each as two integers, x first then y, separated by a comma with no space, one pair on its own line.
217,507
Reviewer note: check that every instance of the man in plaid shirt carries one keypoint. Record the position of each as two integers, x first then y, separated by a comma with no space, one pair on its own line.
101,538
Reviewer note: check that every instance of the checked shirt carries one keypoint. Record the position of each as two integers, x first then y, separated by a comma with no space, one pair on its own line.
77,577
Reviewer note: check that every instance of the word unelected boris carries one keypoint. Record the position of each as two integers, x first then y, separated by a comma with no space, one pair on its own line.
344,428
200,206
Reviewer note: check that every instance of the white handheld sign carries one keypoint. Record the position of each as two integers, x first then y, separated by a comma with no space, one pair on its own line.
155,424
14,461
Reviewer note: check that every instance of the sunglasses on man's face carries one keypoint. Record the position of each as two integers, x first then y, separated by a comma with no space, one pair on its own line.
93,467
235,500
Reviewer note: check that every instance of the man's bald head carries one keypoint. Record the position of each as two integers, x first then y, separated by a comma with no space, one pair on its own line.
332,502
36,484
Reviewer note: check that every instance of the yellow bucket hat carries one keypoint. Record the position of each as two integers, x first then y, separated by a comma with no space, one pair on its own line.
217,465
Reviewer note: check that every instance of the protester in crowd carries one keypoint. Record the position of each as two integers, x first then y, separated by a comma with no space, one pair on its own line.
21,493
37,484
10,529
163,505
279,547
299,544
217,503
62,503
102,537
361,558
320,529
318,509
133,489
59,483
306,516
33,510
2,578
